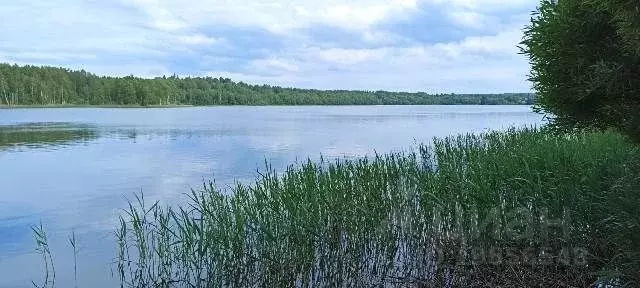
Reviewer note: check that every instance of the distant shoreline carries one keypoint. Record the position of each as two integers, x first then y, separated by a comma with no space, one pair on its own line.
29,86
9,107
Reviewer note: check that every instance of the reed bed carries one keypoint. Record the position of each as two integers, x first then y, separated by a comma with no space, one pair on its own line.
522,208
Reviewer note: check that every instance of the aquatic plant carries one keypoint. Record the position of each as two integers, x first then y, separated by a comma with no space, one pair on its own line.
501,209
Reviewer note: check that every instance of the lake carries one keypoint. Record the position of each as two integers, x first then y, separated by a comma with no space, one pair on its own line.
74,169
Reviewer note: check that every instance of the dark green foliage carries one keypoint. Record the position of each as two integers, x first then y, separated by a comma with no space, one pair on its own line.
30,85
585,57
515,209
626,18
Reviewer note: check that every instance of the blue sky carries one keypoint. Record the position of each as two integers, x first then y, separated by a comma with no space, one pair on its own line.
435,46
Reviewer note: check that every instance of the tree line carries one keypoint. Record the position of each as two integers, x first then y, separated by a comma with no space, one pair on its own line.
34,85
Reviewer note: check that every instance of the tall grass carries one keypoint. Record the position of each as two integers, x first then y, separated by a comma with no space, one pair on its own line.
514,209
522,208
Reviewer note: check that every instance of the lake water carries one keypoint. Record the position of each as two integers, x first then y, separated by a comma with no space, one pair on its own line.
73,169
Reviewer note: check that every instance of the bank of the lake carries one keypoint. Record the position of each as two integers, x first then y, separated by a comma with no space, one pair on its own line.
32,85
37,106
133,106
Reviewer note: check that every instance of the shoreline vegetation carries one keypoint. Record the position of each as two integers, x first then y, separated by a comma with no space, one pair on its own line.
33,86
62,106
521,208
37,106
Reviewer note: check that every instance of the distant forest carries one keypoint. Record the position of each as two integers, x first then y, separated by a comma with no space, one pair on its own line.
32,85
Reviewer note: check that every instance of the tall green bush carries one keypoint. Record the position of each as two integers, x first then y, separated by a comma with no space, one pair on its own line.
585,58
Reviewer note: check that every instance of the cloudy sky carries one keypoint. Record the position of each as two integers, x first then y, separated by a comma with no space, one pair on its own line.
400,45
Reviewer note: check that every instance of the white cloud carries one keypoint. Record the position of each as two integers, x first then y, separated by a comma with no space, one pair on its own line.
275,16
350,56
40,56
485,14
362,16
499,45
486,5
474,64
502,43
270,64
161,16
381,37
469,19
197,39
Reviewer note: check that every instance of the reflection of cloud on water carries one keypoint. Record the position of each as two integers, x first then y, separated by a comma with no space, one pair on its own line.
346,152
149,133
163,169
275,143
16,232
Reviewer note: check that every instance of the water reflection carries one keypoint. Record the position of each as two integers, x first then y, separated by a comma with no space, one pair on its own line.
51,135
45,134
135,133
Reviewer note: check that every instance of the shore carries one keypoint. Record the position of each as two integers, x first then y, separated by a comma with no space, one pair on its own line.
89,106
8,107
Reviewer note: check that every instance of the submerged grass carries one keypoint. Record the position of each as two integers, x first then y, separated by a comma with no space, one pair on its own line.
505,209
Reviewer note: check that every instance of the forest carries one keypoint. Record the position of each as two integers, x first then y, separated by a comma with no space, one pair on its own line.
33,85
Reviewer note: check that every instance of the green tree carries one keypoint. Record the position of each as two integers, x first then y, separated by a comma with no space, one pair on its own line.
585,63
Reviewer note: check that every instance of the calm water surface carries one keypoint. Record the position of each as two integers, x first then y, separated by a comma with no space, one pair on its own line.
73,169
